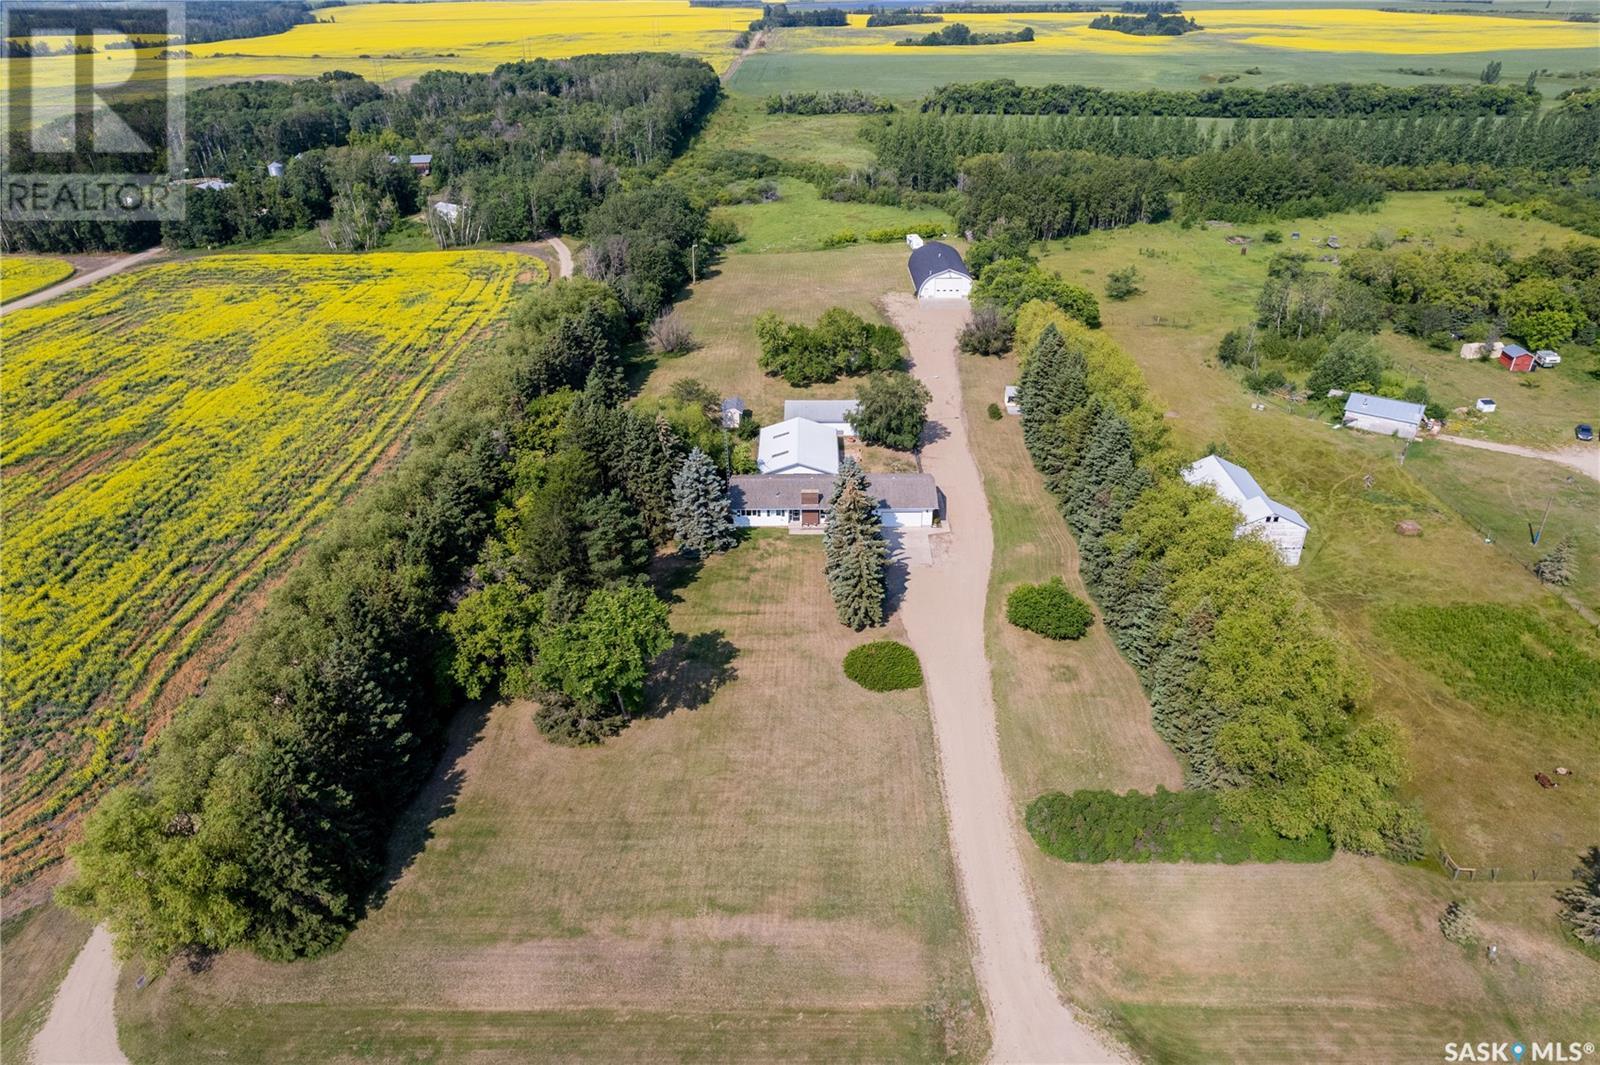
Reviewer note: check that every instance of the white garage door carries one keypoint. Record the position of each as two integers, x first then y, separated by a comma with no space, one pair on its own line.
952,286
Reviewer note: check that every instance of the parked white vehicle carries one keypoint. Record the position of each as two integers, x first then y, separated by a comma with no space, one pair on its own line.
1546,358
1485,406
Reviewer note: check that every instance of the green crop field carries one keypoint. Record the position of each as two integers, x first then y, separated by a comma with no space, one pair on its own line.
759,868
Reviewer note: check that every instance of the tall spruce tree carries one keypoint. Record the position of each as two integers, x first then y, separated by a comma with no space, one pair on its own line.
701,514
652,456
855,551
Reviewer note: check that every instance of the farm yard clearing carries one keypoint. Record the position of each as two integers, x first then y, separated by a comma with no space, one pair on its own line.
757,869
172,436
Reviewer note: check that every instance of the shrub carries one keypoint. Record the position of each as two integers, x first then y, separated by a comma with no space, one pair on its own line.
995,413
1049,610
669,335
883,666
989,332
1272,236
1181,826
1457,924
839,239
1123,284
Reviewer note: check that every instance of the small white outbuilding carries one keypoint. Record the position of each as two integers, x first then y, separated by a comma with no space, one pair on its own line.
1260,514
834,413
1378,414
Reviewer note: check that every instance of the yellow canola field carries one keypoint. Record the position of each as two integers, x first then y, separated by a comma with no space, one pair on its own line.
22,274
382,42
1299,29
171,434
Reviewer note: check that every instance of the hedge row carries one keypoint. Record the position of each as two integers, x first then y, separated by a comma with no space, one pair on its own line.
1169,826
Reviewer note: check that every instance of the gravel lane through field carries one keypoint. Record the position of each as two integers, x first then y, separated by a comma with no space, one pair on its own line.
563,257
1585,458
82,1027
50,292
943,611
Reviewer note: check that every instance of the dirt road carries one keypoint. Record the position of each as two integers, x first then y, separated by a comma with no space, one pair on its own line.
757,41
563,256
126,262
81,1028
1585,458
943,611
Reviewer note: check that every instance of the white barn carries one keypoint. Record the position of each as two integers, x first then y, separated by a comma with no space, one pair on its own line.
1263,516
800,503
834,413
1390,417
798,446
937,272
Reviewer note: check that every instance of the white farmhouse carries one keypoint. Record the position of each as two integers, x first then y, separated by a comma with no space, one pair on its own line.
1389,417
937,272
1262,515
798,446
800,503
834,413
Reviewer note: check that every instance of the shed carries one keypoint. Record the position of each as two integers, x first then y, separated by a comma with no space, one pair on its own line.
1260,514
1376,414
834,413
937,272
733,411
274,169
798,445
421,164
800,502
913,241
1013,400
1517,359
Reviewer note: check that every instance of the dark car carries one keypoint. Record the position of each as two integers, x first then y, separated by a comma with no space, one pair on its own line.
1585,432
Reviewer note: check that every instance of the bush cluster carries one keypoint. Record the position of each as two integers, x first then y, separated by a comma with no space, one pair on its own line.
883,666
1250,684
1049,610
1169,826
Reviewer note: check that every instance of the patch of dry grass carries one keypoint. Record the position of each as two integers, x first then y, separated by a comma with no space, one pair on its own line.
696,886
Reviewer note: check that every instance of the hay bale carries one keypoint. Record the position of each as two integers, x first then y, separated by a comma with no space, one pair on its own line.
1408,528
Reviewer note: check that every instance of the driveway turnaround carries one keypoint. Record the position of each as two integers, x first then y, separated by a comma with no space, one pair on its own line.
943,612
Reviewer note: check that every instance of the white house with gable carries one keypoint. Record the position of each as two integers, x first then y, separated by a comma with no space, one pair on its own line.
937,272
800,503
798,445
834,413
1279,525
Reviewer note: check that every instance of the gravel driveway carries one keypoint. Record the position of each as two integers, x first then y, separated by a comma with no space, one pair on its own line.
943,612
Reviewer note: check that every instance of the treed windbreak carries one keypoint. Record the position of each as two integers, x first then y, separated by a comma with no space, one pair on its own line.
530,146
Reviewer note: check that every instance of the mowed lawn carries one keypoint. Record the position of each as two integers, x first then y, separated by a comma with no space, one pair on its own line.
1337,961
800,220
798,286
759,870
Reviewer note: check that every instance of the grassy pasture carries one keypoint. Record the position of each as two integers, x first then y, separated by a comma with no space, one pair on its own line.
742,123
1341,960
37,946
800,219
1473,773
22,274
757,870
172,436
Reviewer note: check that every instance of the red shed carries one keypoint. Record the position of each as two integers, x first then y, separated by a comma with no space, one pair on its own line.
1517,358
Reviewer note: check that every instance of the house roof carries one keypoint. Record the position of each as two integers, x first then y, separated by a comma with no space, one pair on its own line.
1396,410
820,410
1514,350
415,159
891,491
932,258
798,442
1235,484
